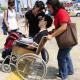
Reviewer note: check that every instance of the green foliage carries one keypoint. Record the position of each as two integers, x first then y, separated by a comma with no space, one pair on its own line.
3,8
78,8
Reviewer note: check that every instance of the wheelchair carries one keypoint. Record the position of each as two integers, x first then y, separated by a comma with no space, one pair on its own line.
26,60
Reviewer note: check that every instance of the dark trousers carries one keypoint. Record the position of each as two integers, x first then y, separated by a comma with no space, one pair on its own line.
13,31
65,63
6,53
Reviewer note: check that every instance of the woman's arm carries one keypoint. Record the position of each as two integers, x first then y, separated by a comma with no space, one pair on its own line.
26,28
58,31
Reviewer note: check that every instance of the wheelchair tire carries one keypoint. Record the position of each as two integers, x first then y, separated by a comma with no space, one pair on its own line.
31,67
6,68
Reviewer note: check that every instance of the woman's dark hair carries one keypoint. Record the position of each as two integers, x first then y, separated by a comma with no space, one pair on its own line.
56,5
49,21
11,2
39,4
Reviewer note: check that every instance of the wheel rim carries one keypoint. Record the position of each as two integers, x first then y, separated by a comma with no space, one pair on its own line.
30,67
78,14
6,68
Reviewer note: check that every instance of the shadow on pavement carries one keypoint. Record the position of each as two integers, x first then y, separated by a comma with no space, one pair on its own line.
51,73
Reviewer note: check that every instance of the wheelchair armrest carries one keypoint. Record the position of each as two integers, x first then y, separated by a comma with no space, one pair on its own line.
41,44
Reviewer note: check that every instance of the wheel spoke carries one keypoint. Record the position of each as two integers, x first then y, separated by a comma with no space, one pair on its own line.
33,67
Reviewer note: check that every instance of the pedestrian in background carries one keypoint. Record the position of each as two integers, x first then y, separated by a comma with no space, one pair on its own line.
10,17
61,19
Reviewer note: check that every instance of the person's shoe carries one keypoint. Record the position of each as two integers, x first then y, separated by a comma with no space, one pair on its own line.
58,75
70,73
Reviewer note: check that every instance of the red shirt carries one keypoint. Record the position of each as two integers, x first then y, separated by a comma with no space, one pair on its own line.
61,17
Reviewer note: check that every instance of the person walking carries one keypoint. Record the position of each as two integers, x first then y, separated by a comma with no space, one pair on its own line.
61,19
10,17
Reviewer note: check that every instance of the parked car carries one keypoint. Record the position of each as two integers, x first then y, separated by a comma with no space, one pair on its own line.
74,12
77,12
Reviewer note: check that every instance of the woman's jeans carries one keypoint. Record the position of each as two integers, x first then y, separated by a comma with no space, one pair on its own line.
65,63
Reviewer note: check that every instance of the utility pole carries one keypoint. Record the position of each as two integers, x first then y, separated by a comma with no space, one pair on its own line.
27,4
31,3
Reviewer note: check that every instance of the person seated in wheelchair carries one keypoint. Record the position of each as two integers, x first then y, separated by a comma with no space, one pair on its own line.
44,23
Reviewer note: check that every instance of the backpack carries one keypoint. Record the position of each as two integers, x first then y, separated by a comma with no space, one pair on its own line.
4,27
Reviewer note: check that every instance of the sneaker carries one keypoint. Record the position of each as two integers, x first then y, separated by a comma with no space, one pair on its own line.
58,75
70,73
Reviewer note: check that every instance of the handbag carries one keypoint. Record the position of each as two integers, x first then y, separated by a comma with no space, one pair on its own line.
69,37
4,27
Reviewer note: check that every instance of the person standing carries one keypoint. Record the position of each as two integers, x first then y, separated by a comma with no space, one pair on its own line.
32,19
10,17
61,19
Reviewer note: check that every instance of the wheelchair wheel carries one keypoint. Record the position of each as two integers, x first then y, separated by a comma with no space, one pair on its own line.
6,68
31,67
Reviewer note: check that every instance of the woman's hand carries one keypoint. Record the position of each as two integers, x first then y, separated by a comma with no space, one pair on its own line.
49,37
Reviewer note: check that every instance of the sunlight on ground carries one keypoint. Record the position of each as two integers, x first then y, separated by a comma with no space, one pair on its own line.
13,76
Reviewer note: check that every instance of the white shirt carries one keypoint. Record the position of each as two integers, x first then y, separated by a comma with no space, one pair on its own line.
12,19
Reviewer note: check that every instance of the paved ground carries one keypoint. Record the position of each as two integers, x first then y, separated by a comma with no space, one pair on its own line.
52,48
